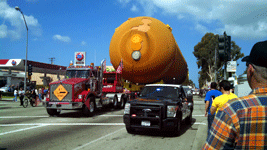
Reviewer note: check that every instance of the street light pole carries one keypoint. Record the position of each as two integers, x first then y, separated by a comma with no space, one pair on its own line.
25,83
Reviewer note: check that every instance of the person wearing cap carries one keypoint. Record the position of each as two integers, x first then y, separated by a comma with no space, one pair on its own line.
242,122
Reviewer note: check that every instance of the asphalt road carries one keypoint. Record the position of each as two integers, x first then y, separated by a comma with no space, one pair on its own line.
32,128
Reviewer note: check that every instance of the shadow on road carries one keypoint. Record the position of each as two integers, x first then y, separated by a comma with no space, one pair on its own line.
79,114
149,132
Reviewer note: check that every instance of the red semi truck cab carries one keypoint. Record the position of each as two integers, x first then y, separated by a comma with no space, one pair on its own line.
86,88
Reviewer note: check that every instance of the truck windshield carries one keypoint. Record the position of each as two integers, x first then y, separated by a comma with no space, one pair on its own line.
77,74
160,92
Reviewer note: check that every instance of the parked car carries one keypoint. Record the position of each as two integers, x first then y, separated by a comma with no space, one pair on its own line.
159,106
4,89
188,93
195,92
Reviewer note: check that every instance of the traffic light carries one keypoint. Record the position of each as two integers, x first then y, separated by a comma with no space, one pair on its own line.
221,47
228,47
29,70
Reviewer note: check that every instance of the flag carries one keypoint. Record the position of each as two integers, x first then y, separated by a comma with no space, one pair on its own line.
104,65
119,69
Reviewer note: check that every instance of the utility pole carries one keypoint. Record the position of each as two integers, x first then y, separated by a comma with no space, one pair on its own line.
52,60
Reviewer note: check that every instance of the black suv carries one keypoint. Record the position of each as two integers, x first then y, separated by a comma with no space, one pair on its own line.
159,106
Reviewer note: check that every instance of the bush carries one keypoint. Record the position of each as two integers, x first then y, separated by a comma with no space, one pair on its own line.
8,94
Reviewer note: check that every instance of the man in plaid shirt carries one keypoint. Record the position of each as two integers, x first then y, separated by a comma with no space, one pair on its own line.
242,122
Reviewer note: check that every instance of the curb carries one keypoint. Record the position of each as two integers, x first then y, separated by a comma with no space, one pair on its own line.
201,136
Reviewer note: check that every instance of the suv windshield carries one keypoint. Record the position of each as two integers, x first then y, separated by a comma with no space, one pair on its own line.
160,92
77,74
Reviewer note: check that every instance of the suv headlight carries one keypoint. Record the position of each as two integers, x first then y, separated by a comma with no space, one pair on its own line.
127,108
171,111
80,96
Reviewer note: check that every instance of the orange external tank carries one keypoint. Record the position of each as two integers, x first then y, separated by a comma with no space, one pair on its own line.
148,51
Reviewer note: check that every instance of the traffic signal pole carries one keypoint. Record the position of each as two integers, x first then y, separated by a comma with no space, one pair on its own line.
224,50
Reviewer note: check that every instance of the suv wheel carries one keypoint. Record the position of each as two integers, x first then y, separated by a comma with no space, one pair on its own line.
130,130
188,119
177,129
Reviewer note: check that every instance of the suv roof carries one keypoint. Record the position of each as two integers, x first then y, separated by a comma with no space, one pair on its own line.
171,85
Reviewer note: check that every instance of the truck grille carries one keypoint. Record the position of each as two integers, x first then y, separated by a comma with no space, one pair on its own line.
67,98
152,113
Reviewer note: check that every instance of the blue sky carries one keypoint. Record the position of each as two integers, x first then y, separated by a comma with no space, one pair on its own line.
61,28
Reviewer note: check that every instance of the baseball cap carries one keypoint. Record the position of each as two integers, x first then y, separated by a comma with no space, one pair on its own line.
258,54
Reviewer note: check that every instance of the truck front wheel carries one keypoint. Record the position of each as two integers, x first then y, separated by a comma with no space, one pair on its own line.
89,112
53,112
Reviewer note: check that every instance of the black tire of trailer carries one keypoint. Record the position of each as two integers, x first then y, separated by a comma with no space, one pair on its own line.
89,112
130,130
115,102
52,112
124,99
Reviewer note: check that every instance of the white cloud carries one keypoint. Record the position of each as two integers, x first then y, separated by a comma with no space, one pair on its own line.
134,8
83,43
201,28
61,38
236,16
3,31
14,22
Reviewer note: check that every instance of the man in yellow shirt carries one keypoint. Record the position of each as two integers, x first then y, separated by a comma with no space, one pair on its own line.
219,101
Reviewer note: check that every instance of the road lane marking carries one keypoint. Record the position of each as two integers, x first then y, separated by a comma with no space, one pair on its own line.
98,139
73,124
111,115
198,115
200,123
23,117
9,117
22,129
66,124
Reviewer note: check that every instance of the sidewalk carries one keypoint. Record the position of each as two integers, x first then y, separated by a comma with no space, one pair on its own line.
201,136
8,99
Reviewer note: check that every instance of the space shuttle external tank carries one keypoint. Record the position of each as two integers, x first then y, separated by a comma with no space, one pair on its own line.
148,51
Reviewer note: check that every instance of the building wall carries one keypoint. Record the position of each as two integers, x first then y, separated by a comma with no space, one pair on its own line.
37,77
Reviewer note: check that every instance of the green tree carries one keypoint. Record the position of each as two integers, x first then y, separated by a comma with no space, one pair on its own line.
204,51
188,82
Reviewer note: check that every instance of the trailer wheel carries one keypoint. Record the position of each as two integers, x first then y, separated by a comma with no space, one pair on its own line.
115,102
89,112
53,112
123,101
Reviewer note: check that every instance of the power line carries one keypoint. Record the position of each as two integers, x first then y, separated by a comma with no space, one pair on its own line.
52,59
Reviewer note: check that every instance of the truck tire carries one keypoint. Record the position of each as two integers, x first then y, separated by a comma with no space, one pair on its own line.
122,103
89,112
188,119
130,130
53,112
177,129
115,102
